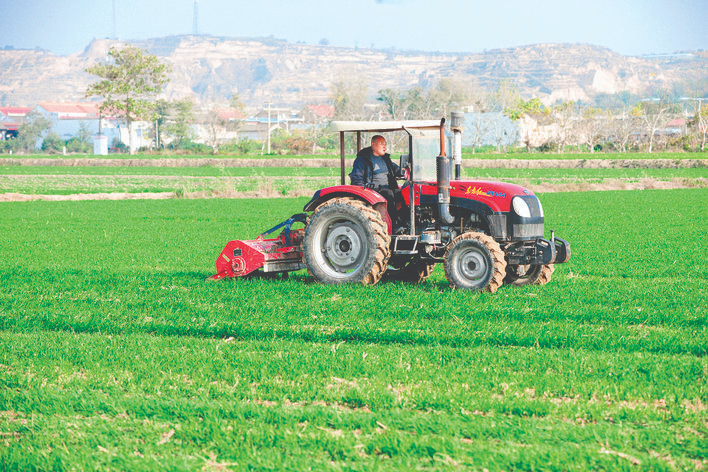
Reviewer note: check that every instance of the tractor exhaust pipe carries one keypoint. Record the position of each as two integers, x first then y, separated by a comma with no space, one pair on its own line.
443,174
457,119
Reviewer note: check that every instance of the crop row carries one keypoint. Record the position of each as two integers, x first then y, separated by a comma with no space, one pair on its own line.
115,353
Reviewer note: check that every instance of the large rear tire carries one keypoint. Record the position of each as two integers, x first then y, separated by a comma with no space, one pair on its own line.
534,275
346,241
474,261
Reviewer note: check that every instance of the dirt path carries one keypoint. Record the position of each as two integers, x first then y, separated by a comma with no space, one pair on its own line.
609,184
294,162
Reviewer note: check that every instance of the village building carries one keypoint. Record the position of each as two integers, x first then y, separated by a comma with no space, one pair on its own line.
68,119
10,120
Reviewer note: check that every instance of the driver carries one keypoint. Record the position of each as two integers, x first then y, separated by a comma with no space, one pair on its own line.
374,169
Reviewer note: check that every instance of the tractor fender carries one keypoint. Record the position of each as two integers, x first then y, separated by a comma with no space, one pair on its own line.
360,193
372,197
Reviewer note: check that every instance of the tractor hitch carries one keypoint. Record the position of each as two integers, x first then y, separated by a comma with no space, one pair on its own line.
539,252
281,254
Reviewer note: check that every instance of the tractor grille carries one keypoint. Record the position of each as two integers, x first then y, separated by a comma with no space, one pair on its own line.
528,230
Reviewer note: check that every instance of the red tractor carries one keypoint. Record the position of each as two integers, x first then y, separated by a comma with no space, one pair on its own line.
486,234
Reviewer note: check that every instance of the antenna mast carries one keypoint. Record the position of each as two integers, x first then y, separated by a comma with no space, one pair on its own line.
195,24
115,34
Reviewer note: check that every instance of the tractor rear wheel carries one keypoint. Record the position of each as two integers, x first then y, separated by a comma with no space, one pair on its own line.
474,261
346,241
534,275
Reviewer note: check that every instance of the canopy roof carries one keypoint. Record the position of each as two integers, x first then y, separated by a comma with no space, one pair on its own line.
383,126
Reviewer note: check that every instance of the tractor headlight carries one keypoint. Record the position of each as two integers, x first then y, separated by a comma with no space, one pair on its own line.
521,208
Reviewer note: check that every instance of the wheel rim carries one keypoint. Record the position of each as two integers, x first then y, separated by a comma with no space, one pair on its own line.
473,264
343,247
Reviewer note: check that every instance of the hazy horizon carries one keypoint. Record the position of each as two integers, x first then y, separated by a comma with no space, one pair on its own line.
630,28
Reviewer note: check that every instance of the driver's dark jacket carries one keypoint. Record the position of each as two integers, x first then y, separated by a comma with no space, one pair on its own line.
363,171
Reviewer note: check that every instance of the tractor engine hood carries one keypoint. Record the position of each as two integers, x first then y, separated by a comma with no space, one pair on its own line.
496,195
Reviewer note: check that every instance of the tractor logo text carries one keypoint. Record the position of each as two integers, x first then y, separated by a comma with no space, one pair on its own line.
480,191
475,191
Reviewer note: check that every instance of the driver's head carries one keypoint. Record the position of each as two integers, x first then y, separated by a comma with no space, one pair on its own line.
378,145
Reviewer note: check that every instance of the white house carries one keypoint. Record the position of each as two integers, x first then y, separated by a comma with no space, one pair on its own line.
68,118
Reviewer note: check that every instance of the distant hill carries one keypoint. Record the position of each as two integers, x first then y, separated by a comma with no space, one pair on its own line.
213,68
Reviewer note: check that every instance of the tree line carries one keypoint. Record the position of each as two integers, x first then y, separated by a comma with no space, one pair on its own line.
498,118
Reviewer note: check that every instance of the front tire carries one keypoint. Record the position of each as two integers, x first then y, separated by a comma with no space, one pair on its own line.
474,261
346,241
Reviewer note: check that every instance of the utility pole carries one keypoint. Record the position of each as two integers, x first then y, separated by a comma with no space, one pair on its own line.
115,33
268,127
195,20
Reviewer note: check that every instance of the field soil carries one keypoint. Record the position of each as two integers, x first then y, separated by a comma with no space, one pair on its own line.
330,162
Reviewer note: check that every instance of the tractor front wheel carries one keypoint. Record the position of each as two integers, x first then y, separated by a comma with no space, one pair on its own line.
532,274
346,242
474,261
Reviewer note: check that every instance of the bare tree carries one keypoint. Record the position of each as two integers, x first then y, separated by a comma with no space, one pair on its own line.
505,97
702,121
503,134
653,114
348,97
623,127
478,126
317,116
565,118
593,126
220,125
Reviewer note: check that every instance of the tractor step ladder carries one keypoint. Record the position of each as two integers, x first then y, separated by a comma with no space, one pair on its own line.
409,244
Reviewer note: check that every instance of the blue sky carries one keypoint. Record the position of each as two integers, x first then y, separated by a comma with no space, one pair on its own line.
630,27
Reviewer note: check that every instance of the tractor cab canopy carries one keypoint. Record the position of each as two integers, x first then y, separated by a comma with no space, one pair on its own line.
423,142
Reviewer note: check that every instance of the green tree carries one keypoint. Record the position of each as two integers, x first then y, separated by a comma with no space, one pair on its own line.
394,103
31,131
522,107
52,143
81,143
131,80
174,120
516,108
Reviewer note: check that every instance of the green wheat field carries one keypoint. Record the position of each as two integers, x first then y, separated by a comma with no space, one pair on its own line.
116,354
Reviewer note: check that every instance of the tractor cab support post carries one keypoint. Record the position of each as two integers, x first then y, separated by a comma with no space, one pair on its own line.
341,153
411,186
